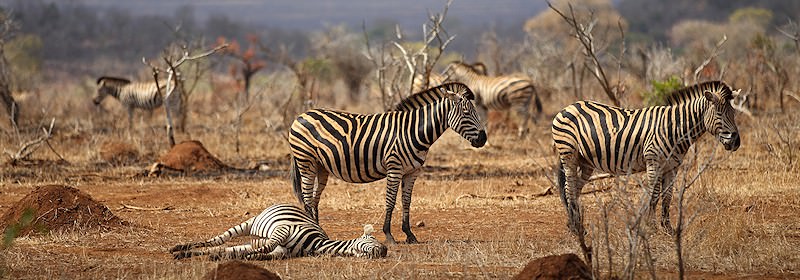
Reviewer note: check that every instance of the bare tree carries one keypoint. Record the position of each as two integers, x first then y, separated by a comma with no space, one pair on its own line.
396,72
583,33
7,27
172,61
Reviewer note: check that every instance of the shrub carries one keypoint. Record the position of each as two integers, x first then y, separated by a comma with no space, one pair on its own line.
661,89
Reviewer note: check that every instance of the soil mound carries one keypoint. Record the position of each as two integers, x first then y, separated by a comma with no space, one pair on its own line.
237,270
55,207
567,266
188,157
117,153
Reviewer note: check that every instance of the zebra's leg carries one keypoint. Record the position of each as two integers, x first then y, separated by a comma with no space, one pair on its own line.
322,181
407,188
130,118
654,174
308,176
260,245
393,179
667,182
525,114
183,250
279,253
572,190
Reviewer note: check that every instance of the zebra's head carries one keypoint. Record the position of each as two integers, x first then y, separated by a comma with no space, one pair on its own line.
458,70
108,86
367,246
463,118
719,118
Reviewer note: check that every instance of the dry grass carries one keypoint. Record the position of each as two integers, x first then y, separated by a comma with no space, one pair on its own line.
482,210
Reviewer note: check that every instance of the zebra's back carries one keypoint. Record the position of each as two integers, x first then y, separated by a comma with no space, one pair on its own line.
141,95
611,139
349,146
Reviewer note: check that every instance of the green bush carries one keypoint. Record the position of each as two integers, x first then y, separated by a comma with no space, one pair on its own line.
661,89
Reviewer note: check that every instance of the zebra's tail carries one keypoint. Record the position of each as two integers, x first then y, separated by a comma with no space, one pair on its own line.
561,183
536,101
294,175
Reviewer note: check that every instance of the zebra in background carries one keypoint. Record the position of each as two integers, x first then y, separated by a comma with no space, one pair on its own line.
435,79
366,148
590,135
282,231
141,95
497,93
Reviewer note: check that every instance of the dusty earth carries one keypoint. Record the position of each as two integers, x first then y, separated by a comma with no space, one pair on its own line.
479,214
237,270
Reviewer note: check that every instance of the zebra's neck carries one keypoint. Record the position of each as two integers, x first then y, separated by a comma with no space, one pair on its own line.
689,123
431,123
335,247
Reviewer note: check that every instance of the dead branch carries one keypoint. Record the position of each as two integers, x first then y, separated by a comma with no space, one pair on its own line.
583,33
714,53
173,79
397,73
29,147
131,207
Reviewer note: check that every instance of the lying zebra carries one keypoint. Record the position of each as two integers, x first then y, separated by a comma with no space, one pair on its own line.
283,231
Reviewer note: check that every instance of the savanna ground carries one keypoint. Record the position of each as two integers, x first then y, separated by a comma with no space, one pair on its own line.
479,213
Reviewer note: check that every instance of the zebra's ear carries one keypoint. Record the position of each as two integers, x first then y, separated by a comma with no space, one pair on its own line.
735,93
469,95
368,229
710,96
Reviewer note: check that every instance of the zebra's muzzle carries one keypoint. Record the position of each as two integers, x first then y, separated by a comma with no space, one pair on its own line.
730,141
480,141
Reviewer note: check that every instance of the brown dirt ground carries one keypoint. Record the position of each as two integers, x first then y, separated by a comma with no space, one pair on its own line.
57,208
237,270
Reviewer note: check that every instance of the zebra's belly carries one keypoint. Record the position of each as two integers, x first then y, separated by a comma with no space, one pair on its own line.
358,174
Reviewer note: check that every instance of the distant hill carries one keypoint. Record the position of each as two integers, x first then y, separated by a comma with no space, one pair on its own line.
656,17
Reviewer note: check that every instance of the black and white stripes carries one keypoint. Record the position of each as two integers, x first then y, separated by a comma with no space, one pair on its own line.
139,95
366,148
499,92
282,231
590,135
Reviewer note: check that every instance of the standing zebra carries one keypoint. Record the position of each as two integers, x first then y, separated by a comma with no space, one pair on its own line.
142,95
366,148
497,93
283,231
590,135
435,79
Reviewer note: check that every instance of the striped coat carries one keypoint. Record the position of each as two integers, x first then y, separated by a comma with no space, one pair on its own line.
366,148
590,135
282,231
498,93
139,95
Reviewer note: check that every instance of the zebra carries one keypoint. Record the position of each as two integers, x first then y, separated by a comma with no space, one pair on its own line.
497,93
589,135
366,148
142,95
435,79
282,231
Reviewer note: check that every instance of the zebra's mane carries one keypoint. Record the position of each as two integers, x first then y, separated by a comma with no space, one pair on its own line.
682,95
432,95
115,80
